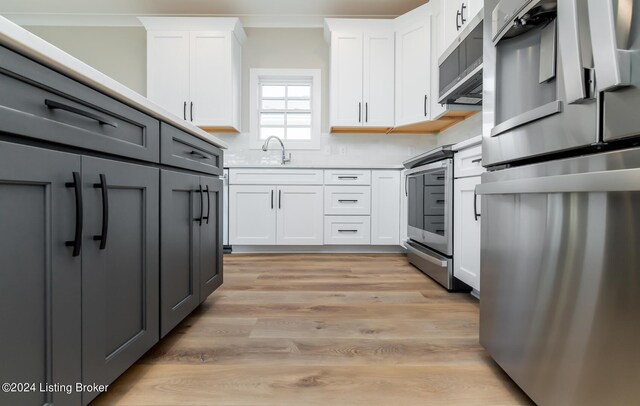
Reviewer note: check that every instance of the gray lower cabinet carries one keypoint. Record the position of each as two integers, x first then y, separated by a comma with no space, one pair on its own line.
40,340
191,246
120,267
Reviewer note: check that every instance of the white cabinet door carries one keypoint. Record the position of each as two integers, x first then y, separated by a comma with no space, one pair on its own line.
379,87
252,215
168,70
300,215
385,207
452,21
437,42
346,79
466,248
413,72
211,92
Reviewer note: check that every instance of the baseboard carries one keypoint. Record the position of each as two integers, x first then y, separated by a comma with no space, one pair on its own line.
318,249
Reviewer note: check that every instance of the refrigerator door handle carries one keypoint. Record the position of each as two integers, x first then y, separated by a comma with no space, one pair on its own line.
610,30
574,41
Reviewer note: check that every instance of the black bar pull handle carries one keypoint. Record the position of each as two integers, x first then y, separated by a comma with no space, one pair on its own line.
347,231
199,219
105,211
54,105
348,177
360,112
406,186
198,155
476,161
366,112
271,199
279,199
462,19
191,111
347,201
77,240
426,97
476,215
184,111
458,26
208,204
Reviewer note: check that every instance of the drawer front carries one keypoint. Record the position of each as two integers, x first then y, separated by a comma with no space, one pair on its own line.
275,176
183,150
347,177
347,200
468,162
37,102
347,230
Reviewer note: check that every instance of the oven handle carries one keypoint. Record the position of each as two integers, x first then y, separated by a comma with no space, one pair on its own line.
425,256
623,180
612,62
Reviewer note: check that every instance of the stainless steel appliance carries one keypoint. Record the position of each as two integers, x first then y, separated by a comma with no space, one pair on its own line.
460,67
429,188
560,275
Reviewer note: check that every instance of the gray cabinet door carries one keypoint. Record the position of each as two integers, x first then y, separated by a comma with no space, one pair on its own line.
120,276
39,277
182,208
211,237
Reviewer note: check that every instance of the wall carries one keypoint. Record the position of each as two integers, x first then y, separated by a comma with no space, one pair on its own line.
119,52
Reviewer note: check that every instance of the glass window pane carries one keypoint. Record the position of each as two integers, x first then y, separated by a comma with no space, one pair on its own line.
299,133
299,91
273,91
273,105
299,119
271,119
299,104
266,132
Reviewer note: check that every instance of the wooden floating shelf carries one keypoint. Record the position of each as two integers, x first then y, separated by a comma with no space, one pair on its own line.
219,129
360,130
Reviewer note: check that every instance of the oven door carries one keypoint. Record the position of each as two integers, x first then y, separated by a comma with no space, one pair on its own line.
430,194
538,67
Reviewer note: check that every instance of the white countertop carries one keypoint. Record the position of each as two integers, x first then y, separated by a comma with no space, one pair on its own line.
312,166
22,41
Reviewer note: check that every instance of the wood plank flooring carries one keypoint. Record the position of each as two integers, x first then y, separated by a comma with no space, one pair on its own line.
319,329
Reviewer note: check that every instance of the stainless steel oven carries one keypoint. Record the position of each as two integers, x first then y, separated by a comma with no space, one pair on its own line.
429,188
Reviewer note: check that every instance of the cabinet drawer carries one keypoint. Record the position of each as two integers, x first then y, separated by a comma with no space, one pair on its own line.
347,177
468,162
37,102
183,150
347,200
275,176
347,230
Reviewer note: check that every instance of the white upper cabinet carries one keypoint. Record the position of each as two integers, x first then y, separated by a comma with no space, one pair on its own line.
362,73
413,67
172,72
347,51
456,14
193,69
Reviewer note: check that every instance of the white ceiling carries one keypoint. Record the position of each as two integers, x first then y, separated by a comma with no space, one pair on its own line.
253,12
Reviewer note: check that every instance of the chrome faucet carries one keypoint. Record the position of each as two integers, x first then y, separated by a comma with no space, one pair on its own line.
284,156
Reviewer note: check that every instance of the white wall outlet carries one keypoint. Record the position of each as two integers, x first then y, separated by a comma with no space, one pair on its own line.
342,150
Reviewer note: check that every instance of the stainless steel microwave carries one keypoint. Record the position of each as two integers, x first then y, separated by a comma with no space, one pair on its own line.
460,67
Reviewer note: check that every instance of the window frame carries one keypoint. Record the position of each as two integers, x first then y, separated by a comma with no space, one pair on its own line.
288,76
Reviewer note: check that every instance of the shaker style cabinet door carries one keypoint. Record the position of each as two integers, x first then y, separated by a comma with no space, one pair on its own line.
182,208
168,71
120,269
39,275
252,215
378,78
210,70
347,109
385,207
210,277
300,215
467,231
413,72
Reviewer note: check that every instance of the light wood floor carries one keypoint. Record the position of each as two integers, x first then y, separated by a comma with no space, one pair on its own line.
321,330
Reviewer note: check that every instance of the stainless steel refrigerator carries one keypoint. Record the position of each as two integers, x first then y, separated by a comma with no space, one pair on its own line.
560,276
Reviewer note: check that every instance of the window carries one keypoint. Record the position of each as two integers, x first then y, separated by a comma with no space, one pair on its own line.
286,103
